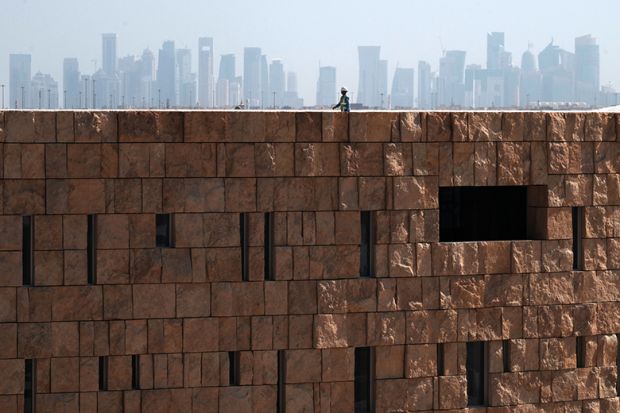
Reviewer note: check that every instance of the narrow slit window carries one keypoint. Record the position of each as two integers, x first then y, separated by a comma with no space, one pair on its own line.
580,350
618,362
364,380
578,238
281,396
440,360
135,372
367,244
269,250
28,250
103,373
92,249
477,373
29,385
234,368
243,237
164,230
506,356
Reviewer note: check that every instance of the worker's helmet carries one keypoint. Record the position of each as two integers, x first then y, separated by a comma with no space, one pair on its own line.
343,90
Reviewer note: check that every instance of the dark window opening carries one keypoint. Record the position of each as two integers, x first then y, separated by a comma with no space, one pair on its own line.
580,350
367,221
135,372
243,237
364,380
618,362
29,385
28,250
578,224
440,360
269,250
491,213
91,251
164,231
103,373
477,373
281,397
506,355
234,368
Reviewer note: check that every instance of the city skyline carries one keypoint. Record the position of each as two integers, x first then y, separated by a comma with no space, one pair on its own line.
317,33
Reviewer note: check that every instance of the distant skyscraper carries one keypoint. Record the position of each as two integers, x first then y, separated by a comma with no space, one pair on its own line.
558,74
292,99
44,91
424,85
166,75
372,76
186,79
326,89
205,72
265,96
587,69
109,53
451,87
495,49
402,88
226,81
277,83
531,80
252,76
71,83
19,80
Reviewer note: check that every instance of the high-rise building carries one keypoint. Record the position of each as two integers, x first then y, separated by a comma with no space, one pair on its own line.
166,69
205,72
451,86
277,83
424,85
44,91
372,76
186,80
495,50
558,74
19,81
531,80
252,76
226,81
587,69
402,88
109,53
265,96
326,89
71,83
292,99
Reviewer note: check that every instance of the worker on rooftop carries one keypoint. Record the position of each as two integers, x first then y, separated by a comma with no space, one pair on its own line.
343,104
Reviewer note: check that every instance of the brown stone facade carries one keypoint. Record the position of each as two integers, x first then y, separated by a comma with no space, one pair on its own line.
175,319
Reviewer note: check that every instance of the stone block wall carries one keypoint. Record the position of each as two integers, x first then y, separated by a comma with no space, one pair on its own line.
181,310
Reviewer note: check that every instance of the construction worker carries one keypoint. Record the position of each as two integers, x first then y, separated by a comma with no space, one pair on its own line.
343,104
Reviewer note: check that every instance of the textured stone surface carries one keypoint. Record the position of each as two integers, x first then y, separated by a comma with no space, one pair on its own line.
182,309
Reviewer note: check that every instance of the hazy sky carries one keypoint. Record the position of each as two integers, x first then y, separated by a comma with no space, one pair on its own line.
304,33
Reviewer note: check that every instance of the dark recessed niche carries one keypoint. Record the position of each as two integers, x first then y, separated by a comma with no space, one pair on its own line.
491,213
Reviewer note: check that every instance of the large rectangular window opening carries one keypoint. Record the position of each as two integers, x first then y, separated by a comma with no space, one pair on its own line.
477,373
367,255
28,250
364,380
491,213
